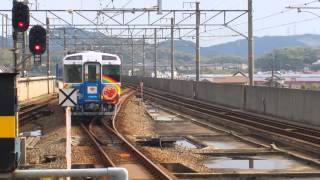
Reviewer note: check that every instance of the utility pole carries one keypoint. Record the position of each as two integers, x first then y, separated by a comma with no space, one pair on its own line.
132,54
159,7
197,41
6,28
172,48
155,53
2,32
143,56
250,44
48,54
64,42
272,71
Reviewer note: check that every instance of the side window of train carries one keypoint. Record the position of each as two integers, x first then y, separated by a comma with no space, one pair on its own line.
108,58
79,57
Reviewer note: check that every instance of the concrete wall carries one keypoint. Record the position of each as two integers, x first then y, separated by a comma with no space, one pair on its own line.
291,104
300,106
34,87
179,87
226,95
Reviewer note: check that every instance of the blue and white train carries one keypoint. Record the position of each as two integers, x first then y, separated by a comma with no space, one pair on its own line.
96,76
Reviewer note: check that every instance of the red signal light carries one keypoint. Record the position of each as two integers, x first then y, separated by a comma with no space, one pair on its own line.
20,24
37,47
37,40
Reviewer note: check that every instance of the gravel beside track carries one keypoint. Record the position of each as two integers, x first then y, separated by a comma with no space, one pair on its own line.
133,122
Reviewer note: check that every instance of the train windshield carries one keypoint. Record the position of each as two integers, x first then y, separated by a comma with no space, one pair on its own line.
92,72
111,73
73,73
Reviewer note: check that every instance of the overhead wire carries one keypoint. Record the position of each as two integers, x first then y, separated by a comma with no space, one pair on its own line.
266,17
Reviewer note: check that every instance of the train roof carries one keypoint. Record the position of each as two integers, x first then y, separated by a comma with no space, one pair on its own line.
91,56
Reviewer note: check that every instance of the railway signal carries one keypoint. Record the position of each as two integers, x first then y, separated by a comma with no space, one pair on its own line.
20,16
37,40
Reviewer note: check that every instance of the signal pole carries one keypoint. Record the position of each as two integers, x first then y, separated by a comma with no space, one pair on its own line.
172,48
250,44
23,54
48,54
197,41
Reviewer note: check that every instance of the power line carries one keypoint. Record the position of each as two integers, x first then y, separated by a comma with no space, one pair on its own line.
267,16
307,3
286,24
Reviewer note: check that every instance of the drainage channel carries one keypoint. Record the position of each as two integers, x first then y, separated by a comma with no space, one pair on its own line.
221,154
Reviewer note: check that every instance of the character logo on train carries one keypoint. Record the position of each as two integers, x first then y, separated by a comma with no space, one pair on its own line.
96,76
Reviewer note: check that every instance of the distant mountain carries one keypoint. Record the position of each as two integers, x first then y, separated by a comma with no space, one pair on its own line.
239,47
180,45
262,45
185,50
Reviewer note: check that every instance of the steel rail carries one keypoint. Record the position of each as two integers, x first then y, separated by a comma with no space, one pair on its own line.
107,160
28,111
147,163
156,171
308,135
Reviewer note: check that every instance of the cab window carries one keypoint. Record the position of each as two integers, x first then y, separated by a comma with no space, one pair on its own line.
92,73
73,73
111,73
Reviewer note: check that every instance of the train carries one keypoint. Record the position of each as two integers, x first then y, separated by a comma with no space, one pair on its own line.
96,77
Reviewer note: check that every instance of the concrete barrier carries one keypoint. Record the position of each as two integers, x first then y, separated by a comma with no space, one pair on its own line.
226,95
34,87
178,87
295,105
301,106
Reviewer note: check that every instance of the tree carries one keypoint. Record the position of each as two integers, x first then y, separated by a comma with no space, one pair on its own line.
292,58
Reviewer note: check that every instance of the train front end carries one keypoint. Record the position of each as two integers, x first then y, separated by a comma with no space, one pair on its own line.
100,88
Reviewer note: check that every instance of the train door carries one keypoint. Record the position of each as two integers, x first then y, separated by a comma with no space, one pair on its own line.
92,81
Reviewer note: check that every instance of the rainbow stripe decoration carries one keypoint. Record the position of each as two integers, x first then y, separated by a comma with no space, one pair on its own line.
109,80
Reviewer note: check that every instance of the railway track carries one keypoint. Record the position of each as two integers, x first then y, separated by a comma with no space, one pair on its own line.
115,150
306,135
34,109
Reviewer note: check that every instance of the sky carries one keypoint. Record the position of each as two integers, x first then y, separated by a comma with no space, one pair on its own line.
271,17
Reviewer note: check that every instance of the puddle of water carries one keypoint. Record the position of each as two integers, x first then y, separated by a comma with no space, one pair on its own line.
177,168
164,118
185,143
151,110
254,162
219,144
154,114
